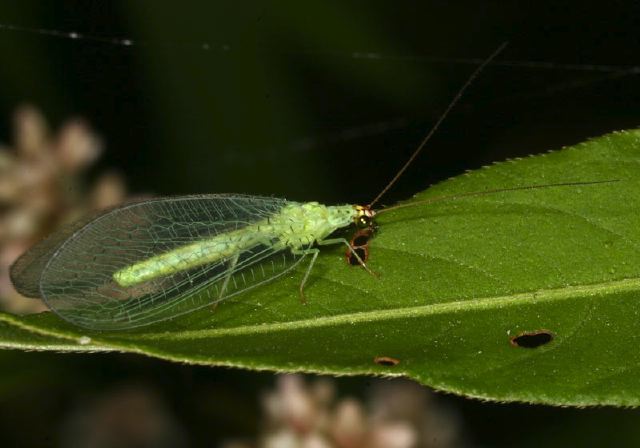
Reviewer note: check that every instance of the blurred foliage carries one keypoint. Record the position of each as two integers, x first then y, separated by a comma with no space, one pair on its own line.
42,392
286,102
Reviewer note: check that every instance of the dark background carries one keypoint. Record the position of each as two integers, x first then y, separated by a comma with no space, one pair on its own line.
284,102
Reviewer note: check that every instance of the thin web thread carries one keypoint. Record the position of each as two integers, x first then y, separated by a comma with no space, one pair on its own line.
361,55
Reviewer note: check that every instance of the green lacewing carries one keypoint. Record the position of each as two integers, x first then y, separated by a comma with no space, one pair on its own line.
145,262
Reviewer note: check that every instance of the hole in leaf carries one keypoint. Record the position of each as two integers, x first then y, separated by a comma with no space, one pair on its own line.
386,361
532,339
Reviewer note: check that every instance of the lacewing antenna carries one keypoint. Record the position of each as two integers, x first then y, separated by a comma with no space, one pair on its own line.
435,127
498,190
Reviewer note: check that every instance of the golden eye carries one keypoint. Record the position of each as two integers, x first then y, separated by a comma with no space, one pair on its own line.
364,221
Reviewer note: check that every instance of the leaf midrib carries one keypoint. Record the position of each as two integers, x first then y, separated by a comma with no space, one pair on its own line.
538,296
484,303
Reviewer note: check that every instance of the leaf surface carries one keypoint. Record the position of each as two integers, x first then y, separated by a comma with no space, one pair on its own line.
517,296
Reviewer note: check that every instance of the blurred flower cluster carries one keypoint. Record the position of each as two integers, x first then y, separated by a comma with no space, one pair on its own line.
42,188
399,414
128,415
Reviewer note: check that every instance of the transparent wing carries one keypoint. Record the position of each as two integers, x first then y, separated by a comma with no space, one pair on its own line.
74,272
26,271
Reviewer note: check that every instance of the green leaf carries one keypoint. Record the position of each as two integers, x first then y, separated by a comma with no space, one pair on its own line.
465,286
